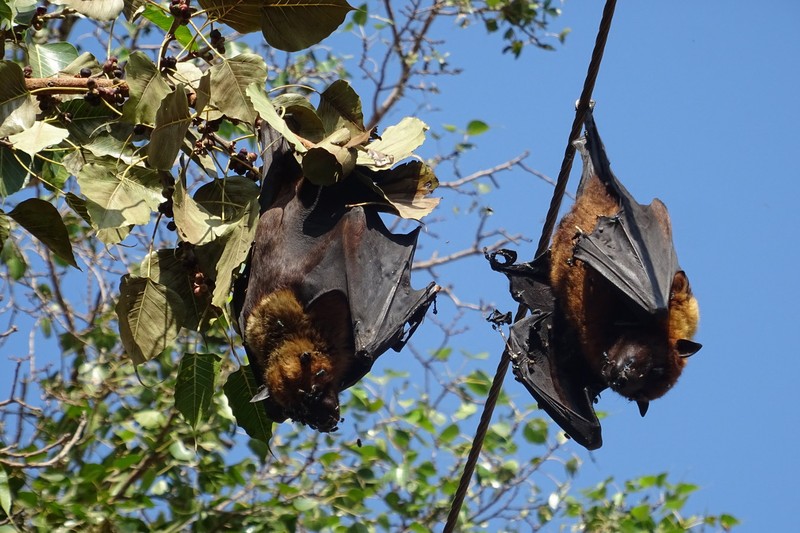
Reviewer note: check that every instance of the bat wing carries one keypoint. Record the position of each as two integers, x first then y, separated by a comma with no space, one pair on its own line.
372,267
633,250
551,376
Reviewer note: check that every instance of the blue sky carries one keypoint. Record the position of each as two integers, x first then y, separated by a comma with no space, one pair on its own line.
695,103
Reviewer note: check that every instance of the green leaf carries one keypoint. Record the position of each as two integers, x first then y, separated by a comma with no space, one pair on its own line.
43,221
150,418
86,121
119,195
266,111
396,143
156,14
48,59
5,492
196,381
340,107
109,235
85,60
12,257
12,171
229,82
101,10
38,137
288,25
305,121
331,160
291,25
12,91
147,89
172,122
239,389
476,127
195,223
167,268
148,314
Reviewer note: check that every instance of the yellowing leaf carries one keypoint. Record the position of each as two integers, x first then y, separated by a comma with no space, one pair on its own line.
38,137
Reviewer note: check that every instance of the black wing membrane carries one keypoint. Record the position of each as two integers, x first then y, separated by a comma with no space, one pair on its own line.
372,266
552,376
633,250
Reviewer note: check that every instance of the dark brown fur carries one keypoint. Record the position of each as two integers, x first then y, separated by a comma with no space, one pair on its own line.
639,358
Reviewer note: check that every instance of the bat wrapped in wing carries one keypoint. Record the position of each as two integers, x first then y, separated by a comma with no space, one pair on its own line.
325,292
612,306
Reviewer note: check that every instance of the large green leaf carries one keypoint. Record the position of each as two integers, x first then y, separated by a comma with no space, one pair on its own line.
149,314
194,222
298,111
5,492
12,90
147,89
49,58
167,268
240,389
331,160
195,384
38,137
396,143
340,107
172,121
227,198
85,60
292,25
12,172
229,82
120,195
43,221
288,25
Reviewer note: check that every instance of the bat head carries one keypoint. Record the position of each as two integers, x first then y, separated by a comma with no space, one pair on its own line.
642,367
305,384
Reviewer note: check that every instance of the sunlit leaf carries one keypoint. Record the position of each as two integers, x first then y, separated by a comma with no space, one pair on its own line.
49,58
38,137
12,91
229,82
340,107
396,143
172,121
330,161
147,89
95,9
267,112
5,492
476,127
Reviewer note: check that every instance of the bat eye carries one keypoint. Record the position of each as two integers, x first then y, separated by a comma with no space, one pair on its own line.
321,373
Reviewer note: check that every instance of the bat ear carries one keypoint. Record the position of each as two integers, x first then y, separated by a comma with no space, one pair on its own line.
643,405
687,348
262,394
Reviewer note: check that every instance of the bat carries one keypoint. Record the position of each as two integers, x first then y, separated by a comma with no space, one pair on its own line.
325,292
612,308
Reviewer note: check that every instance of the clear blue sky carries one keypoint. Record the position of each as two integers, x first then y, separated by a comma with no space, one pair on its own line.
695,103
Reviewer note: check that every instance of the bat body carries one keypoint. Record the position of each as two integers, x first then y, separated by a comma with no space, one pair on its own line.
325,292
614,309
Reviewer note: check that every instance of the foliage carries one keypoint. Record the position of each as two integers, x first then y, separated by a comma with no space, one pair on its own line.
141,168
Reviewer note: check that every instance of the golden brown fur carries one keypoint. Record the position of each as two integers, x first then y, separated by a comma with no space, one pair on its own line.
640,360
298,358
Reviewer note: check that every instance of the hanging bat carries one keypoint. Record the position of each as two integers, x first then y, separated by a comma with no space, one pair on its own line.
325,292
613,308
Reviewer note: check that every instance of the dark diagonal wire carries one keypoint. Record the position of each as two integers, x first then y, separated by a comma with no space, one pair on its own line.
544,241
